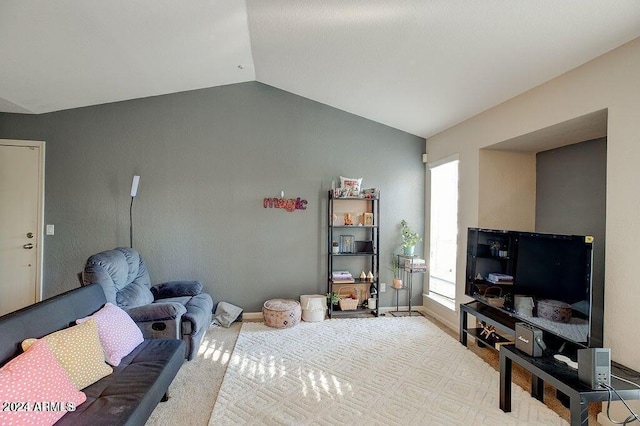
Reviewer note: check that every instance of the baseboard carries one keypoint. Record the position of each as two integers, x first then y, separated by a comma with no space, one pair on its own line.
253,316
444,320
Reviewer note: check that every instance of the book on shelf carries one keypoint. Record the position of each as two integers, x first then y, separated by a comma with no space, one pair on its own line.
500,282
496,278
415,263
343,281
342,276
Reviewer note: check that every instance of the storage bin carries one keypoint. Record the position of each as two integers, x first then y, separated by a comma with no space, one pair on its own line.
314,307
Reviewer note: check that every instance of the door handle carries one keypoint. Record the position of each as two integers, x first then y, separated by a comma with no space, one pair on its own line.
28,246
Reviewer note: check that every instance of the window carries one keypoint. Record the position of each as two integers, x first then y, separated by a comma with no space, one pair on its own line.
444,232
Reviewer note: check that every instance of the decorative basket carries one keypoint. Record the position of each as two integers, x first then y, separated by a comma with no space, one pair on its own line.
554,310
493,296
346,302
281,313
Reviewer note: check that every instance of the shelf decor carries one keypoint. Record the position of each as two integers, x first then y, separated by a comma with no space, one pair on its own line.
287,204
409,238
347,244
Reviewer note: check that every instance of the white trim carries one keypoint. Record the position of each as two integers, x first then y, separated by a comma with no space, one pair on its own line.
252,316
438,316
445,160
40,243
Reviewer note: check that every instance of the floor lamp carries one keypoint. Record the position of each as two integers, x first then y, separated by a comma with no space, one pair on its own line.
134,192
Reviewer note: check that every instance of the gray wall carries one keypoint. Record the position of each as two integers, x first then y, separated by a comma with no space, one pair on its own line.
207,159
571,197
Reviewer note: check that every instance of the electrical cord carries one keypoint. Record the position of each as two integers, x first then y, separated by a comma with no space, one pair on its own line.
622,379
131,223
632,418
629,372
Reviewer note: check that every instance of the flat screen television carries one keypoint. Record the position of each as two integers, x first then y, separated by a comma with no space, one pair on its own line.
552,280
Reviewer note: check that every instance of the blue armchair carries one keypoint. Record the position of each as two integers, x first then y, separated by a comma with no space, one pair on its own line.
172,310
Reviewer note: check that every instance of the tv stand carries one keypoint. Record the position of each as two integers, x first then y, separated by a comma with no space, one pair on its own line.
500,321
565,380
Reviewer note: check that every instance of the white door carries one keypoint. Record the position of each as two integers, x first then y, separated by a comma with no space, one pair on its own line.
21,220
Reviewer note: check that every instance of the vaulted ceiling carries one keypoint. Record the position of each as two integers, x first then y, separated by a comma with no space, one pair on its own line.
416,65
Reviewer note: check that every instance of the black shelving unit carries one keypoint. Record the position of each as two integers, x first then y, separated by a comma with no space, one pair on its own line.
489,251
363,257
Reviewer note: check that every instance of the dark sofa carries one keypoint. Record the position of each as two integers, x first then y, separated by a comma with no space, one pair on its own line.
129,395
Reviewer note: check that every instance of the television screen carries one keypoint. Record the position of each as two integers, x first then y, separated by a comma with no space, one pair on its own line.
555,271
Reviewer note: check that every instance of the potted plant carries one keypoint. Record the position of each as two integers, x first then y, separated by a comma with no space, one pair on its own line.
395,267
409,238
333,298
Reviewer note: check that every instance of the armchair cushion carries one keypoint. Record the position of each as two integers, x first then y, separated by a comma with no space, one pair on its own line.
160,311
198,315
176,289
134,295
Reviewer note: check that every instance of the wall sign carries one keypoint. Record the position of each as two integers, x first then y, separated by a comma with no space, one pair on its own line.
288,204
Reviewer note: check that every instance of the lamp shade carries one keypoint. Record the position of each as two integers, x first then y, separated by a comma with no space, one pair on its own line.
134,185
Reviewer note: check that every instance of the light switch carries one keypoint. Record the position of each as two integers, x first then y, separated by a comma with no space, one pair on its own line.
50,229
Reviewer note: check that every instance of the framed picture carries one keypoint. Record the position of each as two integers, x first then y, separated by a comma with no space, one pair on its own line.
367,219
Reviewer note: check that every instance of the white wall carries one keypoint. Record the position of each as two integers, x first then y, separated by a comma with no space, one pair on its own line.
507,192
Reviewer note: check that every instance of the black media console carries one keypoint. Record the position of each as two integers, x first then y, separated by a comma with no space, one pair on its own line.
543,369
565,380
501,321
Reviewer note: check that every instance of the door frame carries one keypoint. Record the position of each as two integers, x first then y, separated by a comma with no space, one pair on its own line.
40,236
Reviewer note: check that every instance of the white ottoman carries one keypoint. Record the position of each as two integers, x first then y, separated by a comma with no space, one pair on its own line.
314,307
281,313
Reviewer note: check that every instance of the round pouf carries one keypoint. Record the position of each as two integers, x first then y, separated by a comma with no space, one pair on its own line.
281,313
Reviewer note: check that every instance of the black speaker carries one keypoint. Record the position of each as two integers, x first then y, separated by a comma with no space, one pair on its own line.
594,367
529,339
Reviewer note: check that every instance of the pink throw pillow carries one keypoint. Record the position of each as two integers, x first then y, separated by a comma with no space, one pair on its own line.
35,389
119,335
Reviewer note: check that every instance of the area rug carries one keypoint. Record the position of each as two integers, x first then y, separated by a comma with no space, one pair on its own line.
195,388
391,371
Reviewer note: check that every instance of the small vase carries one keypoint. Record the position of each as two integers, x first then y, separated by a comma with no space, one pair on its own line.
396,283
408,251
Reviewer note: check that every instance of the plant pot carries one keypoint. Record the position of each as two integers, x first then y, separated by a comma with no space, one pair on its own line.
396,283
408,251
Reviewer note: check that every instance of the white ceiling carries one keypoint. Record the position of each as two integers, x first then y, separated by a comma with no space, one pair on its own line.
417,65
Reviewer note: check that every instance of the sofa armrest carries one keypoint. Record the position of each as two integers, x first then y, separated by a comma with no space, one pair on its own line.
157,312
176,289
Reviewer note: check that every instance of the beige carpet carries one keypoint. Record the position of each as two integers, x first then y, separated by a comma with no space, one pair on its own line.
194,390
391,371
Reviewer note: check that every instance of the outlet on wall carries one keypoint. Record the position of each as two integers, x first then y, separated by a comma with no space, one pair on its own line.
383,287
